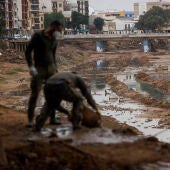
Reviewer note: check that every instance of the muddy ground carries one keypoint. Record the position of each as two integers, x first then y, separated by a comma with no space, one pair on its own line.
114,146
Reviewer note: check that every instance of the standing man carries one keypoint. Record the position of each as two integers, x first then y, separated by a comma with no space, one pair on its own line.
42,64
64,86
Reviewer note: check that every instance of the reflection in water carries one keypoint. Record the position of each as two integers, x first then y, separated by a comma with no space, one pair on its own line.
129,79
64,131
98,83
101,65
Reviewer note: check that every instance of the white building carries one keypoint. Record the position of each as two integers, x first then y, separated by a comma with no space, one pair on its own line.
124,24
74,7
67,15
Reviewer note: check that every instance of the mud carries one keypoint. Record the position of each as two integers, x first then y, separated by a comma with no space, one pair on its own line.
115,146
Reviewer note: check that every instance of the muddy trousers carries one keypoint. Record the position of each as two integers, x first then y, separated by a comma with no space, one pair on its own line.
54,94
36,86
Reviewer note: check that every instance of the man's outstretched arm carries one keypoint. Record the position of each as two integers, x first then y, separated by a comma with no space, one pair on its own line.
84,90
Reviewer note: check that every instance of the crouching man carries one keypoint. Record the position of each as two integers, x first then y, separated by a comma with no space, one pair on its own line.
63,86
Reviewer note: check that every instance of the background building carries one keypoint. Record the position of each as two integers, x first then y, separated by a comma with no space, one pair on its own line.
115,22
83,7
141,8
12,13
35,14
58,5
45,6
25,14
2,13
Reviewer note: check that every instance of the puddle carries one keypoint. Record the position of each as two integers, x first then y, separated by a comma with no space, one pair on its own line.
83,135
15,93
157,166
63,131
104,136
87,136
22,97
127,111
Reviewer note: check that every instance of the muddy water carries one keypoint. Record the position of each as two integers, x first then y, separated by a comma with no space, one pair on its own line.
128,77
149,90
83,136
127,111
22,96
158,166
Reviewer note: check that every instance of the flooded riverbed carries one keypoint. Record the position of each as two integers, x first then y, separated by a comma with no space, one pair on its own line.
123,109
127,111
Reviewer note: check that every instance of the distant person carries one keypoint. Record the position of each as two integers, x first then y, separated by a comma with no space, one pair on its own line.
42,64
65,86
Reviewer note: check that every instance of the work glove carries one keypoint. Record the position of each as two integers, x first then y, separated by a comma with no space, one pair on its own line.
98,111
33,71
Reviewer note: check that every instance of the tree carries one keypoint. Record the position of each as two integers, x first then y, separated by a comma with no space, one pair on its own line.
78,18
99,22
167,15
49,17
154,19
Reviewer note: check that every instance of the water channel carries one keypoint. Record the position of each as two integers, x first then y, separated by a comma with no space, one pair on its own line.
128,77
127,110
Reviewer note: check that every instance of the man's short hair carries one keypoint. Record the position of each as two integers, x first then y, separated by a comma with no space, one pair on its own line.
56,23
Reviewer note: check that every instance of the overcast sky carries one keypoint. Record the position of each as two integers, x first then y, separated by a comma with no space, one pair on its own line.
115,4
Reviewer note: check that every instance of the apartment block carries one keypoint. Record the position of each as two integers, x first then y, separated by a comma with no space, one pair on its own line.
15,14
34,9
141,8
83,7
70,5
2,11
57,5
25,14
11,14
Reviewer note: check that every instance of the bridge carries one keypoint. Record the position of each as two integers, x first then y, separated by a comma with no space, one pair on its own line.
106,37
145,39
